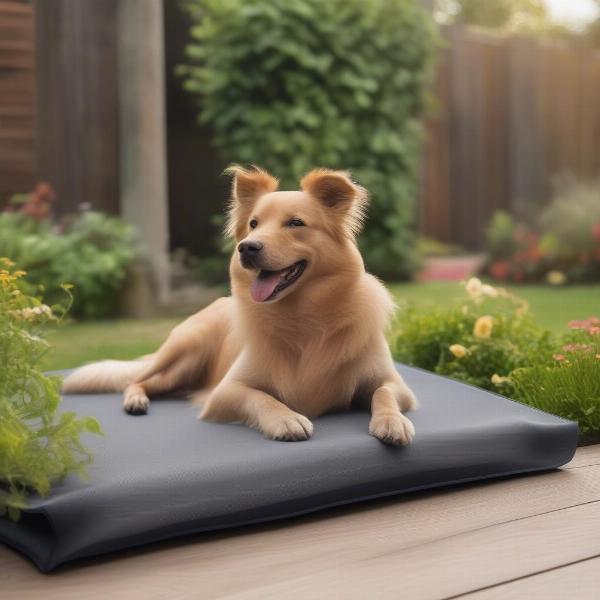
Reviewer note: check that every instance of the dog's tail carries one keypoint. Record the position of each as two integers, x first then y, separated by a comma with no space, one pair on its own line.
105,376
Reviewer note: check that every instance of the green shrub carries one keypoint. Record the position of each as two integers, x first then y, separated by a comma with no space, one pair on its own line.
479,341
37,445
432,248
500,236
92,252
489,340
291,85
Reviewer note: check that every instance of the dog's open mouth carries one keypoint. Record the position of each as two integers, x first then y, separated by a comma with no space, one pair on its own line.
268,284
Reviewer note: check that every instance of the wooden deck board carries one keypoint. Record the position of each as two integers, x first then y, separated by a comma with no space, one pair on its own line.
580,580
484,540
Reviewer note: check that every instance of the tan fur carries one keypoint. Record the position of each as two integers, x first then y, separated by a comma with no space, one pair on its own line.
317,347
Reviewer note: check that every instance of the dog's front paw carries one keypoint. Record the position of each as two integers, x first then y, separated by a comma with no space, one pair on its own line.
136,403
291,427
397,430
408,400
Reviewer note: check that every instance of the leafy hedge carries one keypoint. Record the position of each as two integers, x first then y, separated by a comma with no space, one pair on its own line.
290,85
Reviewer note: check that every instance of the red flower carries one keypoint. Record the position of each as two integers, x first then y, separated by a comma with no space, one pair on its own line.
44,192
500,269
39,201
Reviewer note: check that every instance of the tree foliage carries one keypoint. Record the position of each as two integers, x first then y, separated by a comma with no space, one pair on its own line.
294,84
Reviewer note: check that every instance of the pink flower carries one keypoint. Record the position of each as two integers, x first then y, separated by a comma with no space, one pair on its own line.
559,357
577,347
591,324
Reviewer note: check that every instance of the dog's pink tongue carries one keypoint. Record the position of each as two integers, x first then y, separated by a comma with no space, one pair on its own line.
263,287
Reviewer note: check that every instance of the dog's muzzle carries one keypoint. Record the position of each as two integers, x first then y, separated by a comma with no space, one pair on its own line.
250,254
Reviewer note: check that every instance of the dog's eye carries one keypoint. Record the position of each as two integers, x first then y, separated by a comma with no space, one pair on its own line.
253,224
295,223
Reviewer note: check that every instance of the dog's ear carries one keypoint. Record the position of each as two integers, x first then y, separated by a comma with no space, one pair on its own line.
247,187
339,194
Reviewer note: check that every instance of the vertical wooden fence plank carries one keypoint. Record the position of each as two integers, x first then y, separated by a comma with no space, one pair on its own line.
17,108
77,101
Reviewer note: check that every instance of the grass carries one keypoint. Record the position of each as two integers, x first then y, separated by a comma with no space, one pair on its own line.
78,343
74,344
552,307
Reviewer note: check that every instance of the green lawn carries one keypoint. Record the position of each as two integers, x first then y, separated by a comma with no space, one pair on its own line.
552,307
74,344
77,343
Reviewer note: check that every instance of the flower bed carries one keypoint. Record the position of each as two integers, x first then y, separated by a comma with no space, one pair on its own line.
561,246
488,339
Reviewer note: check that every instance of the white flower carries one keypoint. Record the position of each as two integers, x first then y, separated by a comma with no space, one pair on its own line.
473,287
489,290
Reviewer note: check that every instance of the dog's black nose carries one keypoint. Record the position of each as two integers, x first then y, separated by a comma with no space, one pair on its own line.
250,248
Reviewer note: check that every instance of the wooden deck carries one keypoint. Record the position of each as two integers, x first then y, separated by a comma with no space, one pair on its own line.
527,537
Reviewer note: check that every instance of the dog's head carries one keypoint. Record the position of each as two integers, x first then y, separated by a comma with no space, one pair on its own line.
286,239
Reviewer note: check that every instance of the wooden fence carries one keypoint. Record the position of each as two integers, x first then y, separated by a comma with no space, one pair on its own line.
512,115
17,92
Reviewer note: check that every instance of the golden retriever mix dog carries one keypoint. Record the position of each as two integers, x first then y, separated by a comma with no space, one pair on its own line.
303,332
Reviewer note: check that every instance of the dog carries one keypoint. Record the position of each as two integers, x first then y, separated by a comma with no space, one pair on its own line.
303,332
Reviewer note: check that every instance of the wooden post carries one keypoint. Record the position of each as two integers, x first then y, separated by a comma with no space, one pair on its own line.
143,140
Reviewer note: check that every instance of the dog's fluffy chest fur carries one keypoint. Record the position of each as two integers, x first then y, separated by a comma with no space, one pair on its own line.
317,359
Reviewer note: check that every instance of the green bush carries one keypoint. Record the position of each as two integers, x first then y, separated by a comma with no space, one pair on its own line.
489,340
291,85
92,252
500,236
480,341
37,445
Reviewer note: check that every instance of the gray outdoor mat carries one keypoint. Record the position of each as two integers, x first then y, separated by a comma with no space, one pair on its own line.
168,474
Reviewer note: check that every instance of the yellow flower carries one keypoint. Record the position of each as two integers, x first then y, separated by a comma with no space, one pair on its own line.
6,277
556,278
483,327
7,262
473,287
498,379
20,273
458,351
